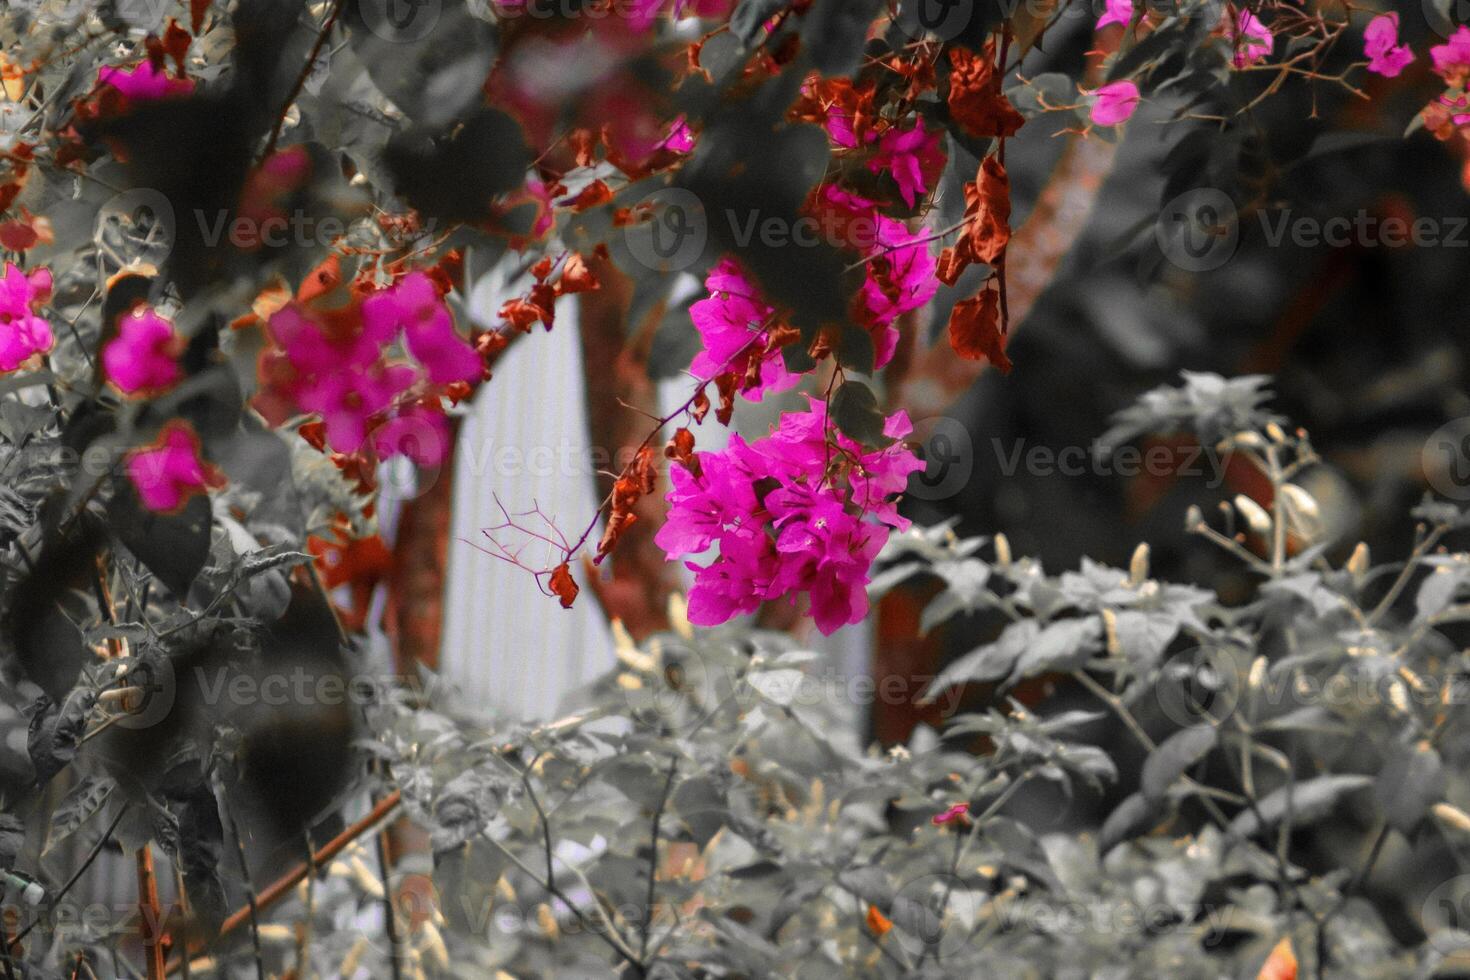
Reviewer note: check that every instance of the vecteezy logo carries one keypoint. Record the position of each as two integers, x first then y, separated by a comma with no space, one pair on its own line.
150,687
1204,688
678,690
949,458
673,233
419,448
1199,230
144,220
1446,459
1446,16
1446,914
932,915
942,19
400,21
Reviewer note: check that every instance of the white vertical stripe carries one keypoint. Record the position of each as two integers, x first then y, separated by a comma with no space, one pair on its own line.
508,648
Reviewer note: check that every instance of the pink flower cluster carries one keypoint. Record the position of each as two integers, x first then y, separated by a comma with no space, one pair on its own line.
1452,59
1252,39
23,333
141,358
1386,56
335,367
1115,12
735,325
804,509
169,472
740,329
909,155
900,270
145,82
1114,103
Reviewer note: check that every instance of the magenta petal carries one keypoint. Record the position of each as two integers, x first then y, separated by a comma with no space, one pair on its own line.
1114,103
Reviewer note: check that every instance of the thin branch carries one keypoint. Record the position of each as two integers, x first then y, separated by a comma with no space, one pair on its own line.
658,814
300,83
81,869
390,922
253,904
282,886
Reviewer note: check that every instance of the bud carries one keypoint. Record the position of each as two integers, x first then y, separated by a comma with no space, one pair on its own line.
1398,696
679,616
433,945
547,921
363,876
1452,817
1276,433
1194,519
627,651
1138,566
1110,629
1302,501
1257,675
353,957
1248,439
1255,515
276,932
1358,562
1002,551
1302,510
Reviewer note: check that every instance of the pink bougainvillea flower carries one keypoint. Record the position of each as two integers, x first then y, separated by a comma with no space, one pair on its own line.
170,471
1116,12
960,811
418,433
900,269
415,305
803,442
145,82
702,8
912,156
736,582
1114,103
1386,56
1456,107
825,552
311,349
1252,40
723,495
680,138
143,355
803,510
348,398
1452,59
733,322
23,334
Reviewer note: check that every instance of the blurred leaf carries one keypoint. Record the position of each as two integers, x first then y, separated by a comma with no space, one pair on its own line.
83,800
1306,802
1411,781
1174,756
855,412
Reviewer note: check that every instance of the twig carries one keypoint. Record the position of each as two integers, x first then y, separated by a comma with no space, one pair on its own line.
282,886
300,83
152,915
390,922
1429,540
658,814
81,869
303,935
611,937
252,905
